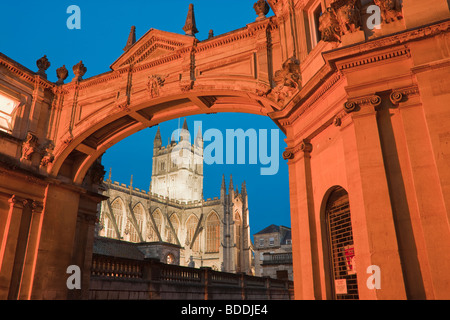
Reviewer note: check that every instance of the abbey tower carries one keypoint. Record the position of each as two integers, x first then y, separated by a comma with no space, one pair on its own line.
174,216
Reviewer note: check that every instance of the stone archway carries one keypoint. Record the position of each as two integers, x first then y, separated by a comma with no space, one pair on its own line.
327,97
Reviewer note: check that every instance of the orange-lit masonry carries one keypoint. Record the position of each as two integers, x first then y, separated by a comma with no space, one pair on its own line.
365,111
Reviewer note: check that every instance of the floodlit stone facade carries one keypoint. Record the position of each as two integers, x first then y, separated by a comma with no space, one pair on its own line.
211,233
364,110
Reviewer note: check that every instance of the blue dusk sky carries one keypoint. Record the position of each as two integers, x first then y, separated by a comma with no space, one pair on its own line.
31,29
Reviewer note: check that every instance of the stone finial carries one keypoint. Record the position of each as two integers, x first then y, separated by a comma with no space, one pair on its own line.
190,27
79,70
211,34
62,74
131,39
43,64
262,8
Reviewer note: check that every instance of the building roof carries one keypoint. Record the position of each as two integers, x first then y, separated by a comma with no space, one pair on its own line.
270,229
116,248
285,232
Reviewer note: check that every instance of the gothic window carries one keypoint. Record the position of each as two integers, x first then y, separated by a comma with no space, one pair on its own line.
152,234
175,224
162,166
340,243
8,108
117,208
212,233
110,233
139,215
191,226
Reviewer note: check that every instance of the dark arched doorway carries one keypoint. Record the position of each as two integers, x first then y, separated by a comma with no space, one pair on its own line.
340,246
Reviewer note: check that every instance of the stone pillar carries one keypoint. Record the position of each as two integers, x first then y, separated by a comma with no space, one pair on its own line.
427,138
304,244
373,226
84,242
56,243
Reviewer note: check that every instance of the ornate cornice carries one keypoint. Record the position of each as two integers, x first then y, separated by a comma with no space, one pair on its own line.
27,75
387,41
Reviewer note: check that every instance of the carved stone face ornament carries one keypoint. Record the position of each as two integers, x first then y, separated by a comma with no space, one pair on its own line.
287,81
329,27
391,10
348,15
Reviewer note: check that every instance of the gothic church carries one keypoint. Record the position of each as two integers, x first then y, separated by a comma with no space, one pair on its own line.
205,233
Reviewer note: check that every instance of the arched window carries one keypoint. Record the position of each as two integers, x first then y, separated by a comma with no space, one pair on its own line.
170,259
191,226
212,233
157,217
340,243
8,107
117,208
109,227
175,224
139,215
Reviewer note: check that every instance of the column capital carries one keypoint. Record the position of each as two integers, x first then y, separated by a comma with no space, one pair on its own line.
355,104
304,146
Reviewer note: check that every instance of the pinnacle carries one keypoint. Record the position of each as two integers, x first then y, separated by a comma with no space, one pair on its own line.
190,28
131,39
185,126
158,135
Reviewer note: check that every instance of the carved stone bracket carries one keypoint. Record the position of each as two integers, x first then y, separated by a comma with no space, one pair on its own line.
47,154
29,146
287,80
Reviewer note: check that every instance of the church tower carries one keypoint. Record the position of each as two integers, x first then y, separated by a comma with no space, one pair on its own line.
178,167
